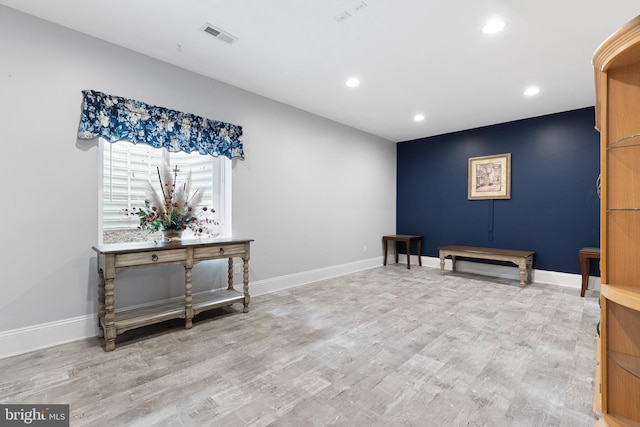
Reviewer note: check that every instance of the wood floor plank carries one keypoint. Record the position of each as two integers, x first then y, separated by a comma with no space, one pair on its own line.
382,347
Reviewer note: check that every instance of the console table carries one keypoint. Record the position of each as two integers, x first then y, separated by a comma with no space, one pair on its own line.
114,258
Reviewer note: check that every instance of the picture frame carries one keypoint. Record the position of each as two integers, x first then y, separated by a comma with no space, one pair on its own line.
490,177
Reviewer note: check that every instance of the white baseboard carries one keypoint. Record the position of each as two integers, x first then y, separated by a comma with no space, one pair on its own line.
558,278
36,337
27,339
280,283
24,340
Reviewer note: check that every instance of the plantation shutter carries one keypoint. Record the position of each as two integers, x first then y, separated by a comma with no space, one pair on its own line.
204,170
127,168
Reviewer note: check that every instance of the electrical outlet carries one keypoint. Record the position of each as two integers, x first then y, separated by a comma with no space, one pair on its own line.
358,7
237,268
342,16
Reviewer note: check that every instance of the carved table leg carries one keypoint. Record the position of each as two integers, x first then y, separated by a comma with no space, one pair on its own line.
100,301
245,285
529,269
188,299
230,281
109,315
442,264
453,263
522,267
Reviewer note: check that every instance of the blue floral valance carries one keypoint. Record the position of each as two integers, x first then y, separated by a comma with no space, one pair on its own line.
115,118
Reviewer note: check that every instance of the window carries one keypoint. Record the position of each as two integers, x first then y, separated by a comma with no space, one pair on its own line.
127,167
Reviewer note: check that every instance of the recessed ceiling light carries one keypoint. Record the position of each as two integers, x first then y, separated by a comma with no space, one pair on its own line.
353,82
493,26
418,117
531,90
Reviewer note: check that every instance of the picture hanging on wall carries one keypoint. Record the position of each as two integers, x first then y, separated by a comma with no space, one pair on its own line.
490,177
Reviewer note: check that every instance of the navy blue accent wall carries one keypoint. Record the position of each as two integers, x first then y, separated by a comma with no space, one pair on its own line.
554,206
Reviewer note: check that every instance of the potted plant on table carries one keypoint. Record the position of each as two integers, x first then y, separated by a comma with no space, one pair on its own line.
173,209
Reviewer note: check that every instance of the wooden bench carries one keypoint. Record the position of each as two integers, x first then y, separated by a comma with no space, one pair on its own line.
523,259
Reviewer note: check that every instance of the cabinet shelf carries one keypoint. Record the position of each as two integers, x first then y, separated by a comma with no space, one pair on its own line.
625,295
613,421
629,141
628,362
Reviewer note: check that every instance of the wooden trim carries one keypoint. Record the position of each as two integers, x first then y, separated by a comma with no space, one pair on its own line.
619,46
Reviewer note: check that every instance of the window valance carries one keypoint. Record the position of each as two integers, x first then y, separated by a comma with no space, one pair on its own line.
115,118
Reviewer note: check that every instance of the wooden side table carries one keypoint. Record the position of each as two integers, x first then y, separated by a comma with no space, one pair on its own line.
407,241
584,255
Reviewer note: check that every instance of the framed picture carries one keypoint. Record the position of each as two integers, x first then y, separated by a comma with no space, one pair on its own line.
490,177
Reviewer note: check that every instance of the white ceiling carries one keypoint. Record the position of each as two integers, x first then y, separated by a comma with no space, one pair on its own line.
411,56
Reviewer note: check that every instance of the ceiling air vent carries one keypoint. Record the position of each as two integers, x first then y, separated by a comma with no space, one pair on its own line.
219,34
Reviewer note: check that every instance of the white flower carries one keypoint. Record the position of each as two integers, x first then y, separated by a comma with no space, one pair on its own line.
104,120
186,126
144,114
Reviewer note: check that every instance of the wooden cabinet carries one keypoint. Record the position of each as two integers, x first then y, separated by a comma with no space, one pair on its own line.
617,78
112,259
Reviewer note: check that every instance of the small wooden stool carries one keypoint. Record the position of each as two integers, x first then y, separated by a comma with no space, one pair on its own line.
584,255
407,240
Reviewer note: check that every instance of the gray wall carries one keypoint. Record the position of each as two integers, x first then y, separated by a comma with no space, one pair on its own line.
311,192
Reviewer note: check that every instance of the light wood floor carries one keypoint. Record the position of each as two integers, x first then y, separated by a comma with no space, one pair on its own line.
383,347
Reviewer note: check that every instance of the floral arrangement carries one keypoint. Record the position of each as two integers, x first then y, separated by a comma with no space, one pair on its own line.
173,208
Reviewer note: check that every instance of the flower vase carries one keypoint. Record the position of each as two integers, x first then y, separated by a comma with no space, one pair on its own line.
172,235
